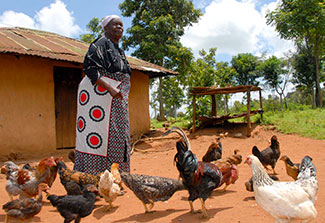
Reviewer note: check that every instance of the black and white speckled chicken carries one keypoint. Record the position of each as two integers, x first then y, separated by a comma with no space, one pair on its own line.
150,189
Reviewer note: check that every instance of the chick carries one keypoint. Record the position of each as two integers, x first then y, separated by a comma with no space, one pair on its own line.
292,169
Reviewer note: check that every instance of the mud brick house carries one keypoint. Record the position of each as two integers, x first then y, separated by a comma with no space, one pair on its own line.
39,76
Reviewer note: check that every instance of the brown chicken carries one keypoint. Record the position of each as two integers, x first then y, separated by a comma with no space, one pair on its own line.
292,169
108,189
228,168
25,208
25,182
74,181
117,177
270,155
214,152
150,189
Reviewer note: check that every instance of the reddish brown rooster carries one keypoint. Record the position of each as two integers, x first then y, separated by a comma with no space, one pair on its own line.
24,182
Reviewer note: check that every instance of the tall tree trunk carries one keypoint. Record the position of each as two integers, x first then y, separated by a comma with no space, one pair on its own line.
319,96
161,116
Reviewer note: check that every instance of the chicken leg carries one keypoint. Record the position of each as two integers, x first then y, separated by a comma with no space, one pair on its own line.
204,210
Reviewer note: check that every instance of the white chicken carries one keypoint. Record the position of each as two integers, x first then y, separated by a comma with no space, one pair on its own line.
108,189
286,201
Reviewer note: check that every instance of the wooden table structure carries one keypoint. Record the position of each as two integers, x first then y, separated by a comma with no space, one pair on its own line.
213,91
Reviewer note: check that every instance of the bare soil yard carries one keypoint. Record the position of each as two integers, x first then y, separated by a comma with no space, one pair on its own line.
156,158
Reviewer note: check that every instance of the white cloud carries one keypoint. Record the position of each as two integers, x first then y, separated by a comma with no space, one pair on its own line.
54,18
234,27
11,18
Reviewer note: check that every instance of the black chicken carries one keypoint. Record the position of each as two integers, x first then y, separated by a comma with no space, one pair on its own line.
75,207
270,155
199,178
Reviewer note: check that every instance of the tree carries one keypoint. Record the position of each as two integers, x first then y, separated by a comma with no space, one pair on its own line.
302,19
156,30
95,29
304,75
245,65
276,76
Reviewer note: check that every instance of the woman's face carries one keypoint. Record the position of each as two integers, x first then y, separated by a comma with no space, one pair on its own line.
115,29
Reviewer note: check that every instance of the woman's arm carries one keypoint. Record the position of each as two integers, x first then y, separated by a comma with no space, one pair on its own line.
116,93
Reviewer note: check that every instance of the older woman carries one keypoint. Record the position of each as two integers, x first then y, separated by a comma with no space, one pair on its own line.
102,135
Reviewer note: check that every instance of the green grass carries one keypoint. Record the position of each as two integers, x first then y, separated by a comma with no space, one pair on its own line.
180,122
302,121
309,122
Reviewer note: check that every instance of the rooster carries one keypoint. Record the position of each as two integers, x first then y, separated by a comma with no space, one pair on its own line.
108,189
270,155
25,208
199,178
24,182
149,189
286,201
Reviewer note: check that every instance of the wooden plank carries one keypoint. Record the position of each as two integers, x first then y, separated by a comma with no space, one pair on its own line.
213,106
194,113
248,113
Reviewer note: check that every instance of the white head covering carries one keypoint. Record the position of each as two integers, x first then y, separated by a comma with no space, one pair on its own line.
108,18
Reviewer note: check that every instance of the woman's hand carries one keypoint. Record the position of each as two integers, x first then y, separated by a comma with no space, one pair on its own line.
115,93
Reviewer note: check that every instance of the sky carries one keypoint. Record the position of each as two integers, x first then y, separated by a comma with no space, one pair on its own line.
231,26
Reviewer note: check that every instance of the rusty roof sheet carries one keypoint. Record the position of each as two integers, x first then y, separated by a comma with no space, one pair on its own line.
56,47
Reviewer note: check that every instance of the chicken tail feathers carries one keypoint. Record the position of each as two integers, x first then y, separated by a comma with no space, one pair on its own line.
180,132
256,152
307,169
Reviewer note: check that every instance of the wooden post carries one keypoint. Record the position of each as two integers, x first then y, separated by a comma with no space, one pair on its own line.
214,105
194,113
249,112
261,103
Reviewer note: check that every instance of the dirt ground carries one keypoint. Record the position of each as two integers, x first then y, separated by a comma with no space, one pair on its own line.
155,158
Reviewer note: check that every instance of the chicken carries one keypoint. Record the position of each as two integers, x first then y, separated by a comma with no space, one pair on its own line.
228,168
214,152
74,181
25,208
270,155
286,201
75,207
25,182
108,189
199,178
149,189
292,169
117,177
249,183
72,156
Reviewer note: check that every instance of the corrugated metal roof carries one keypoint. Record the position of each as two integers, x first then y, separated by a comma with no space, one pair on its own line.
53,46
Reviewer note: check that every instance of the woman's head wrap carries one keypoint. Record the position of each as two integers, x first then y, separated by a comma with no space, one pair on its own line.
109,18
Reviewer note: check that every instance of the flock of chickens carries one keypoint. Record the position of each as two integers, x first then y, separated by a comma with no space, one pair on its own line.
285,201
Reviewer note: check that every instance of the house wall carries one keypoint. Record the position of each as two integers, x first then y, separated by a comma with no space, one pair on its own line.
139,104
27,110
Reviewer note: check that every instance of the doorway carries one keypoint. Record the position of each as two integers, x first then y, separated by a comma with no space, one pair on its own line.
66,81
